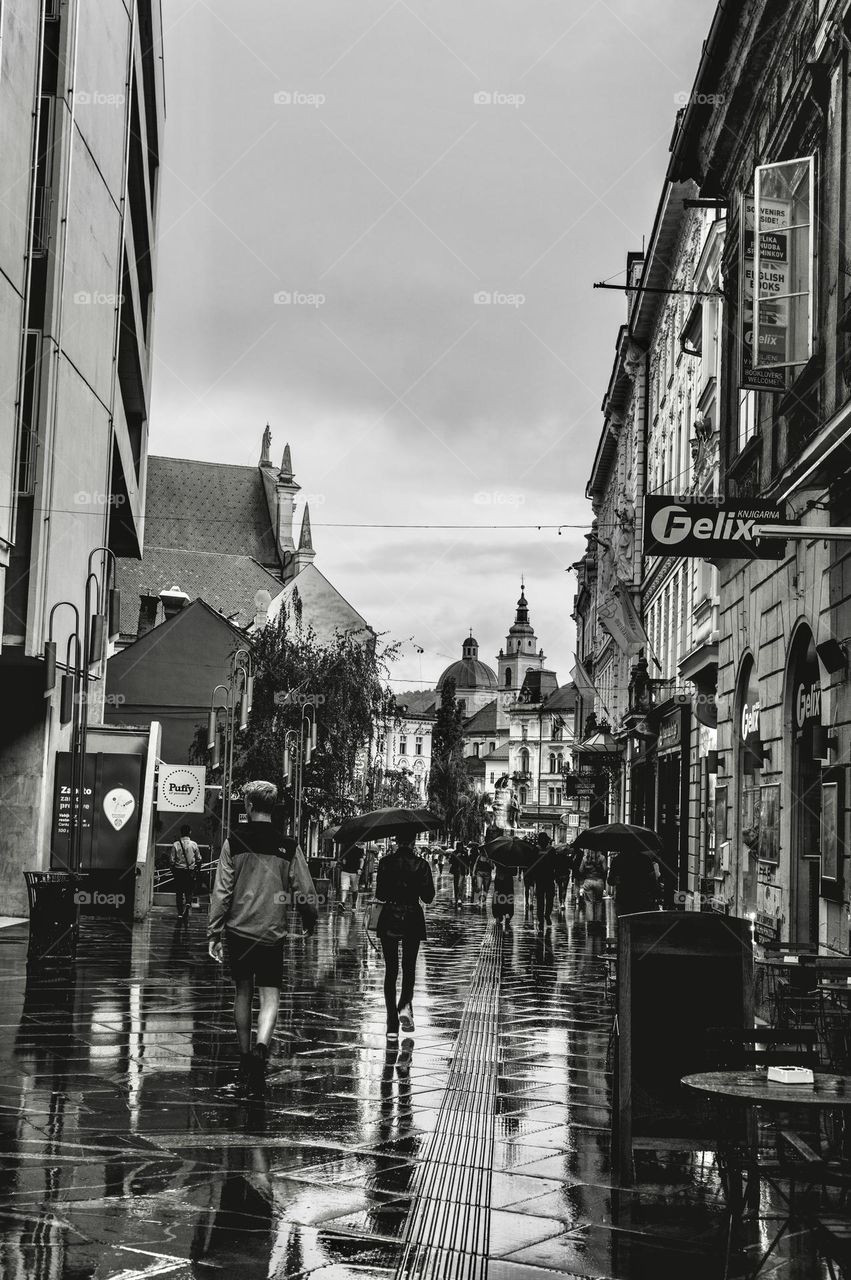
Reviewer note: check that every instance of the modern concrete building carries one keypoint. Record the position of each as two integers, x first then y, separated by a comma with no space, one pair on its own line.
81,125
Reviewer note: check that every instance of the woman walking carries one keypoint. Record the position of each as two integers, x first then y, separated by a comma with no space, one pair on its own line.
404,881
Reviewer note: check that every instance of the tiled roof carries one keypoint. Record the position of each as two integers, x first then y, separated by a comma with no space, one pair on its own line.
227,583
501,753
483,721
208,506
564,699
420,702
324,608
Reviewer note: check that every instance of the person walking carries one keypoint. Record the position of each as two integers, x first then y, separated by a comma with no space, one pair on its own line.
502,902
185,860
459,868
350,867
404,881
592,877
259,874
542,877
482,875
562,875
636,882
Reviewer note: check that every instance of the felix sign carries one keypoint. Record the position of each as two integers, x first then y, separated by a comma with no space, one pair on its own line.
722,530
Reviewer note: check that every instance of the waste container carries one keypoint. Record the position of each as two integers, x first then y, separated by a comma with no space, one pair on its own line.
54,914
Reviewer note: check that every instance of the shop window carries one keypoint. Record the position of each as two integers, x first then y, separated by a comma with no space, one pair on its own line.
782,332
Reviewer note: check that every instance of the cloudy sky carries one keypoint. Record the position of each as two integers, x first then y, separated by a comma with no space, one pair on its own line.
380,225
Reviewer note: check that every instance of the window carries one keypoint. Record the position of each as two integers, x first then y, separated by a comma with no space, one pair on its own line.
462,706
551,795
560,762
418,745
558,732
492,746
782,331
403,745
508,677
491,775
522,795
747,417
524,761
476,749
558,795
552,763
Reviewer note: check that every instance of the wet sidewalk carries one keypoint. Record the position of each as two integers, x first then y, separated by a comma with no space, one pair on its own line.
478,1146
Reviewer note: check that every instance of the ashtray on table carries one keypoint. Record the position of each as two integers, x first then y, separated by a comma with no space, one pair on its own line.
791,1075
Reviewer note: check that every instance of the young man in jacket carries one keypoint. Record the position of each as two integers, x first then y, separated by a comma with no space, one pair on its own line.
185,861
260,874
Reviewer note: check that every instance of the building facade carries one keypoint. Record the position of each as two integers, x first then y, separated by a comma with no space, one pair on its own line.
81,126
775,152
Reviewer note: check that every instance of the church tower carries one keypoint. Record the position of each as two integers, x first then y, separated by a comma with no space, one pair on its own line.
305,554
521,654
285,493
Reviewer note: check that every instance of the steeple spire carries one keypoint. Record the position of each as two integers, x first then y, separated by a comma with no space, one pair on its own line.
287,464
305,542
522,615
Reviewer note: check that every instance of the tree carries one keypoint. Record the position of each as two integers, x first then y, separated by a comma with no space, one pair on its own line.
449,782
397,791
473,815
341,683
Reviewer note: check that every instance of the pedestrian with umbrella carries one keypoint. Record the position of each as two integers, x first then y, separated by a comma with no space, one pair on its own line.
508,854
459,867
634,869
403,883
542,877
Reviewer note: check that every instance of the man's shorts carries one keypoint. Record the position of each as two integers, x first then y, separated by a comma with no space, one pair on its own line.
260,962
349,880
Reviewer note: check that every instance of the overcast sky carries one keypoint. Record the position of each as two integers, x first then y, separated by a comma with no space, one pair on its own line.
340,181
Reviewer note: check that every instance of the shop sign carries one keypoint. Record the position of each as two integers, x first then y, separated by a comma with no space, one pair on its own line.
808,703
706,530
112,794
181,788
772,271
670,732
750,721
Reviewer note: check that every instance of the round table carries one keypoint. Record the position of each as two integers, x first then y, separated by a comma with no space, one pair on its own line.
754,1087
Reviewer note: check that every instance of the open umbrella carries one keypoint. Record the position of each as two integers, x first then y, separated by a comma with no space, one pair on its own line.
512,851
621,837
385,822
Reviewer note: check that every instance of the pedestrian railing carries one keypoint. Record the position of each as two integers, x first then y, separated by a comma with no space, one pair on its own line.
164,880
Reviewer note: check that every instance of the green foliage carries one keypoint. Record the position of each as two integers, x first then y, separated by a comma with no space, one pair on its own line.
397,791
449,782
343,684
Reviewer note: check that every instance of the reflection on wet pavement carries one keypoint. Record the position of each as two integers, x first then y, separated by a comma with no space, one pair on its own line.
120,1157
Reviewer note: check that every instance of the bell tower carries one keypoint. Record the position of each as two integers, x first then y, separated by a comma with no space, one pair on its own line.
521,654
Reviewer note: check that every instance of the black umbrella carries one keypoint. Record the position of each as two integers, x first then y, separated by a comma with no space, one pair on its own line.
621,837
385,822
512,851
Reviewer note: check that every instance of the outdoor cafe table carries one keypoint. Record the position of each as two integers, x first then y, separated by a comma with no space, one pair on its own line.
752,1088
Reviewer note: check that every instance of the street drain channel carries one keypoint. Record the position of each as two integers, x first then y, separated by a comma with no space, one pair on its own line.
449,1225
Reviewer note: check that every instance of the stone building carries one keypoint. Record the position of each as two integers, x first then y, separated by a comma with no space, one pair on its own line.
765,133
81,126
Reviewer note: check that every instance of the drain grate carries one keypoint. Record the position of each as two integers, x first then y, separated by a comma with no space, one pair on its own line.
449,1226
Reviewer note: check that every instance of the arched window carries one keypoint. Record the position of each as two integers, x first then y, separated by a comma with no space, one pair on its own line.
508,677
476,748
522,795
560,762
552,763
492,746
524,761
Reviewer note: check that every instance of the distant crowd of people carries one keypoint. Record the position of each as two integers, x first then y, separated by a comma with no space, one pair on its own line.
261,874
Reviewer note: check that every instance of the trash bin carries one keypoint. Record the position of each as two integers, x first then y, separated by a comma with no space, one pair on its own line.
54,914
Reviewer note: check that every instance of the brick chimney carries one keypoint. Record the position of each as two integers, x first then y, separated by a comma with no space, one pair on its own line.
148,608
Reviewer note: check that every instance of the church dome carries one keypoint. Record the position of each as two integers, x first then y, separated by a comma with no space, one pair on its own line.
469,672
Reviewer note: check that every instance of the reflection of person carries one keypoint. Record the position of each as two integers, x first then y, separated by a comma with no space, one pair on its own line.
562,875
246,1199
185,860
255,880
404,881
636,882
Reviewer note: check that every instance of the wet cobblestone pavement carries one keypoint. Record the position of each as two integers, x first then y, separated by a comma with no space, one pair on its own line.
481,1141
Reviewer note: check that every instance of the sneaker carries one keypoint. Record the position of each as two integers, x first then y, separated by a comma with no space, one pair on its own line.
406,1018
392,1033
240,1086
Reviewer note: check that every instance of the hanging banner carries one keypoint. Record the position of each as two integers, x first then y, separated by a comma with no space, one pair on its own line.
773,272
710,531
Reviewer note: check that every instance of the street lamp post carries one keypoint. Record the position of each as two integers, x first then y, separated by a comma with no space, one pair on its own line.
238,698
69,709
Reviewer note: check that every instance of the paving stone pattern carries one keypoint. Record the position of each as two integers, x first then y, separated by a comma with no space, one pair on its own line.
477,1147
